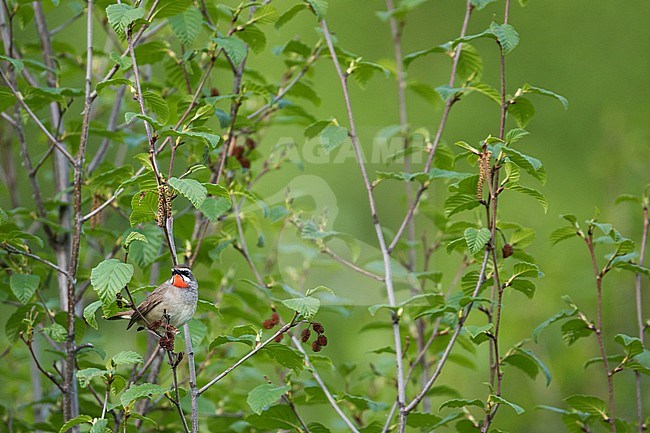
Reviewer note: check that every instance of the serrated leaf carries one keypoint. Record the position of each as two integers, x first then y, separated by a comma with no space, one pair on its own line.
144,207
307,306
120,81
462,402
485,89
127,357
562,233
477,239
99,425
86,375
81,419
447,92
522,110
573,330
191,189
556,317
587,404
24,286
266,14
156,104
285,356
633,345
137,392
527,88
234,48
332,136
134,236
56,332
186,25
531,192
264,396
515,135
120,16
532,165
289,14
319,7
319,289
408,59
497,399
16,63
169,8
506,35
89,314
213,208
108,278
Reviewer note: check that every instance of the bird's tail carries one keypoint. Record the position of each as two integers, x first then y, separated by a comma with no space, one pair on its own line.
123,315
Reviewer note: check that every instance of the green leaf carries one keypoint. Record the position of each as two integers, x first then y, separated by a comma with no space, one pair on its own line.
89,314
289,14
500,400
186,25
120,16
235,49
306,307
16,63
169,8
56,332
527,88
522,110
127,357
524,286
266,14
217,190
562,233
532,165
319,289
462,402
191,189
460,202
480,4
134,236
99,425
633,345
319,7
144,254
531,192
264,396
470,64
210,138
332,136
588,404
109,277
213,208
144,207
155,103
516,134
555,318
447,92
24,286
573,330
86,375
137,392
129,116
285,356
81,419
477,239
506,35
485,89
416,55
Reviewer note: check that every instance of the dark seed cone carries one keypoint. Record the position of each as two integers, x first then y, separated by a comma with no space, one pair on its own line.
279,338
306,333
507,250
322,340
319,328
275,318
315,346
268,324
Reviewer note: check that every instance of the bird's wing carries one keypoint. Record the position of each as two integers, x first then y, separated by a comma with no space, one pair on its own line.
147,305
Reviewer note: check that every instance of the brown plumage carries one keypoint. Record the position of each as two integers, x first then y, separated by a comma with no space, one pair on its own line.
176,297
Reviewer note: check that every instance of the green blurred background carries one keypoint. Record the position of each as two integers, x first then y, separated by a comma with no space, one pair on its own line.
597,55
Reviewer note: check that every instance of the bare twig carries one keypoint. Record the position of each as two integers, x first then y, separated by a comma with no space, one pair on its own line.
390,291
13,250
639,316
46,373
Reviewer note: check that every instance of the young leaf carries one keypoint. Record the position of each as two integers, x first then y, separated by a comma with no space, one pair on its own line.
477,239
144,207
213,208
109,277
506,35
120,16
557,317
134,236
496,399
24,286
588,404
562,233
89,314
81,419
285,356
522,110
633,345
264,396
186,25
234,48
191,189
527,88
137,392
307,306
127,357
462,402
332,137
86,375
319,7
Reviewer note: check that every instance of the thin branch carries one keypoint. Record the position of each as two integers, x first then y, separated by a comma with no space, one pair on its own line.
112,123
246,357
390,291
445,355
639,317
48,134
46,373
351,265
12,250
443,122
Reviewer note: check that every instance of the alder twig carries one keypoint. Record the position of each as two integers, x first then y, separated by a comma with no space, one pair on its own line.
639,316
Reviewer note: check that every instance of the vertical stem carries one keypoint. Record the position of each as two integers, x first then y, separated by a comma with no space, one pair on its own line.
390,291
599,329
639,318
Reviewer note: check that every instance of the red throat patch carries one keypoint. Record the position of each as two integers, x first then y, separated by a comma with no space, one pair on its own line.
179,282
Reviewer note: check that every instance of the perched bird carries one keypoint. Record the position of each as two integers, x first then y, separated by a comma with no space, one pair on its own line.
176,297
